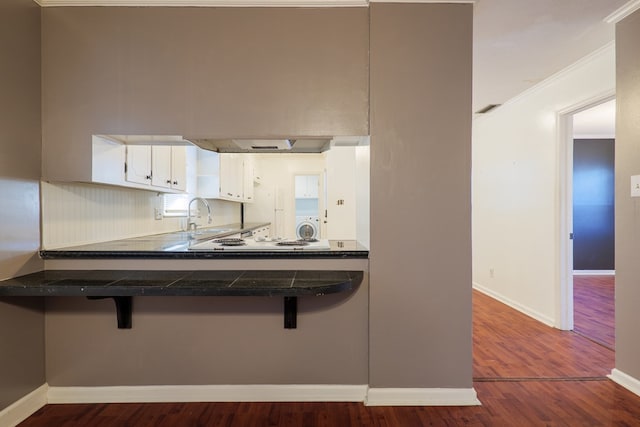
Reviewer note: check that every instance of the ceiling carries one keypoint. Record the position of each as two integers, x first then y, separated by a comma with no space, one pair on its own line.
517,43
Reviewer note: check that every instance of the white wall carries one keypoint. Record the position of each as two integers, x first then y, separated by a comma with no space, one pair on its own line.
74,214
274,196
363,215
516,197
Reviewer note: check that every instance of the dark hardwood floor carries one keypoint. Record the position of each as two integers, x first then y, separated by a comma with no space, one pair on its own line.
594,308
526,374
508,344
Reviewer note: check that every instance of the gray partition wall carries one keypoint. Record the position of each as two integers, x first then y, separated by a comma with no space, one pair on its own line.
627,209
420,314
21,319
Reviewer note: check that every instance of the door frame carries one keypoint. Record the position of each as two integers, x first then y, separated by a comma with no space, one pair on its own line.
564,270
321,197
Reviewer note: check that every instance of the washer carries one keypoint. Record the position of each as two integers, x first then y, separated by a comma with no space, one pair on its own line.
307,227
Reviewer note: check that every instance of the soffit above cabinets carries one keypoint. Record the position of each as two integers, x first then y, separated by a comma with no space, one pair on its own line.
245,145
283,145
148,139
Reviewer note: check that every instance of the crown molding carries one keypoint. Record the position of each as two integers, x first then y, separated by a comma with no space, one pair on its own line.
206,3
233,3
623,12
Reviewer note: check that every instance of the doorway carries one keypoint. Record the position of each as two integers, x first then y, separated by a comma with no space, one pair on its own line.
587,231
308,205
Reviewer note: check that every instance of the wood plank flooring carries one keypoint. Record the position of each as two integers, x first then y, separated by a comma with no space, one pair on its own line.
526,374
594,308
508,344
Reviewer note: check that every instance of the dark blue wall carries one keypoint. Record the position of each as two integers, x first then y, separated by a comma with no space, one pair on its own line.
593,204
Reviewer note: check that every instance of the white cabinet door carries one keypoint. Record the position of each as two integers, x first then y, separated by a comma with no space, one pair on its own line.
313,184
247,179
179,168
161,166
301,186
307,186
231,174
208,174
138,164
108,161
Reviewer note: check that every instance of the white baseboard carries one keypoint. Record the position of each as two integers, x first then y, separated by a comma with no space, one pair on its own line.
594,272
209,393
25,407
422,397
515,305
22,409
627,381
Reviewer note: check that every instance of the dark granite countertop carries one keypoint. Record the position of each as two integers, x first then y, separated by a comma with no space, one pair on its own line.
109,283
176,246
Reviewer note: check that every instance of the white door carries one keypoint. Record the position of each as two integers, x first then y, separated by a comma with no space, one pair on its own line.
341,194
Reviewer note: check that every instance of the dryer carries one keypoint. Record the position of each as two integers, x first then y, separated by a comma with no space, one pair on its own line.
307,227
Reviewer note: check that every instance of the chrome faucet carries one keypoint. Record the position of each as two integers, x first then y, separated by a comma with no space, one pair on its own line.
191,225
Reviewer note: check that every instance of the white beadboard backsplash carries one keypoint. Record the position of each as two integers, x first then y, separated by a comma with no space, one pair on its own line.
76,214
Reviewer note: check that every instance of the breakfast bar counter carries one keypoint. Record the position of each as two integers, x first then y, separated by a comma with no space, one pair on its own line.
122,285
183,245
187,264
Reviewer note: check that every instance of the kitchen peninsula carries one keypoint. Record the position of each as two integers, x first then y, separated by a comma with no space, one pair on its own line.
180,245
69,275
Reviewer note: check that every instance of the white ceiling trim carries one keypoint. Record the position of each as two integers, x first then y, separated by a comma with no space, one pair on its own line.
206,3
234,3
423,1
611,46
623,12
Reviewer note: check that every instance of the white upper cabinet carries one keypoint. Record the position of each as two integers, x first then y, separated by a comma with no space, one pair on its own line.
231,177
157,167
307,186
225,176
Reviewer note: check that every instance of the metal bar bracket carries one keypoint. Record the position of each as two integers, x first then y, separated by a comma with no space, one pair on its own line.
290,312
124,310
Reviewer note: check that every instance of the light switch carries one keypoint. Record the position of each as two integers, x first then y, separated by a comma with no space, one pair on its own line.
635,186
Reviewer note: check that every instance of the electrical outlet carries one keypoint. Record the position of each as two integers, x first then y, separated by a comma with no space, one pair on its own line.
157,213
491,273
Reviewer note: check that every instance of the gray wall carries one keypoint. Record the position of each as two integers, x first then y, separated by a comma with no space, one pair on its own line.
282,71
21,320
219,72
208,340
593,204
627,212
420,315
